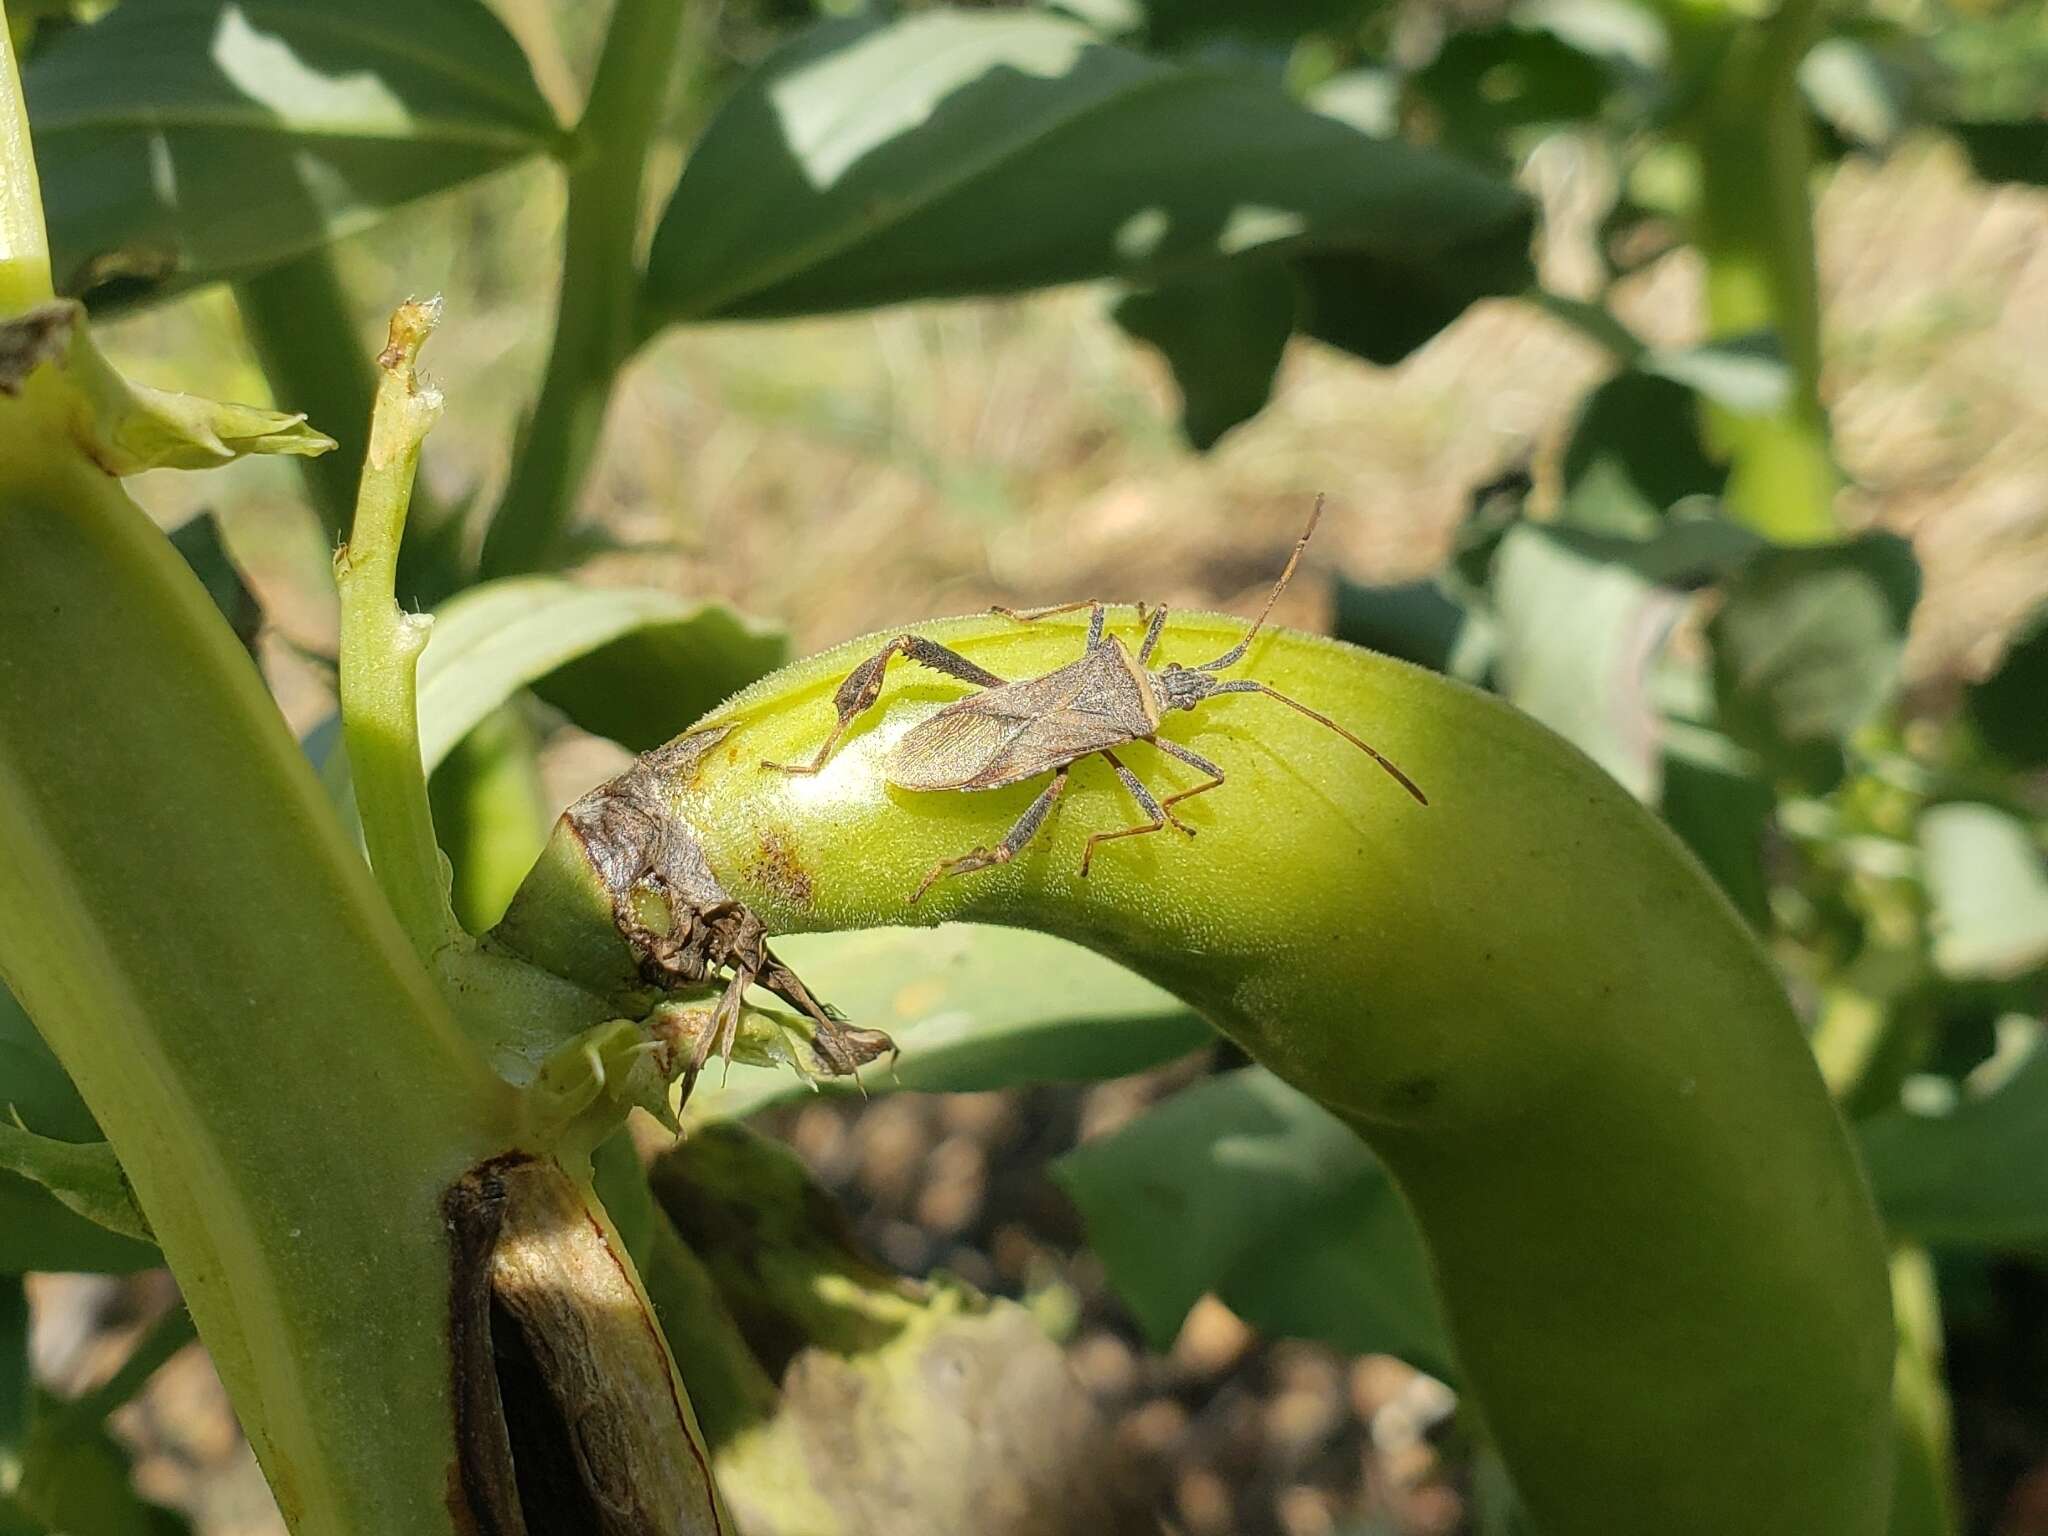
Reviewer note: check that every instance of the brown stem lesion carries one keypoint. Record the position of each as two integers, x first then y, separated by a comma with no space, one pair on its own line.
569,1414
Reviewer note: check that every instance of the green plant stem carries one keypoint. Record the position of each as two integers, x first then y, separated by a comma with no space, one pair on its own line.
380,650
1753,225
24,245
211,963
597,313
303,330
1924,1494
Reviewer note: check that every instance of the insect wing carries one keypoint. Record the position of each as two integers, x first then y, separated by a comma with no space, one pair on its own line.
951,749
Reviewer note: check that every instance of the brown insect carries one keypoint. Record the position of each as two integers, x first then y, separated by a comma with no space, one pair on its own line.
1017,730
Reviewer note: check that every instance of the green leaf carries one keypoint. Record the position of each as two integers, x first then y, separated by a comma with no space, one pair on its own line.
1579,635
1243,1186
1222,333
955,153
2007,707
32,1083
1987,884
198,543
1806,648
1976,1173
1634,453
1177,23
632,663
85,1176
76,1478
973,1008
39,1232
16,1379
491,814
183,141
1490,87
1713,798
2007,151
1745,373
1418,621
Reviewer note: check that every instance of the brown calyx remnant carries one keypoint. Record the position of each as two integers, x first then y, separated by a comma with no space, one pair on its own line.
680,919
33,338
567,1415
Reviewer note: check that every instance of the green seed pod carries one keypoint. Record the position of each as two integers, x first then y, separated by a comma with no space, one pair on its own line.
1661,1266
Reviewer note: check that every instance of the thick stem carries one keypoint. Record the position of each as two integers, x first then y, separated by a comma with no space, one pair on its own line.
24,246
211,963
380,650
1754,227
596,324
1526,996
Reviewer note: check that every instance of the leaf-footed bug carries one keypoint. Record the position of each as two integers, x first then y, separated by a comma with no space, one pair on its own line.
1012,731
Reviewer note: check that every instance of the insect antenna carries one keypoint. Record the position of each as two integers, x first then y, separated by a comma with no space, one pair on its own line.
1236,653
1248,685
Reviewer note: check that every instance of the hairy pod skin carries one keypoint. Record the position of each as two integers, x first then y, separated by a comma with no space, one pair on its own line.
1665,1279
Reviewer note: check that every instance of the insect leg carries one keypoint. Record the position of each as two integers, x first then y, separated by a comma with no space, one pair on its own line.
985,858
719,1034
863,685
1151,632
1143,796
1096,617
1193,760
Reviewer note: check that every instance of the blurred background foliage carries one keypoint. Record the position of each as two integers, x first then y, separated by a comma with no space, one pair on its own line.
1772,549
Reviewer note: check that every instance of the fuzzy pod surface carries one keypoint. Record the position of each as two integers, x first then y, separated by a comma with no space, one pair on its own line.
1662,1269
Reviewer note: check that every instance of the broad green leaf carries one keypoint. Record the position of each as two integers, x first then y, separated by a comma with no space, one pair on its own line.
33,1084
38,1232
2007,706
182,141
1222,333
1634,453
1806,648
1418,621
16,1380
632,663
1243,1186
972,1008
2007,151
1987,884
1489,88
1713,798
1857,87
1745,373
956,153
198,542
1579,636
1976,1173
85,1177
1177,23
76,1478
491,814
